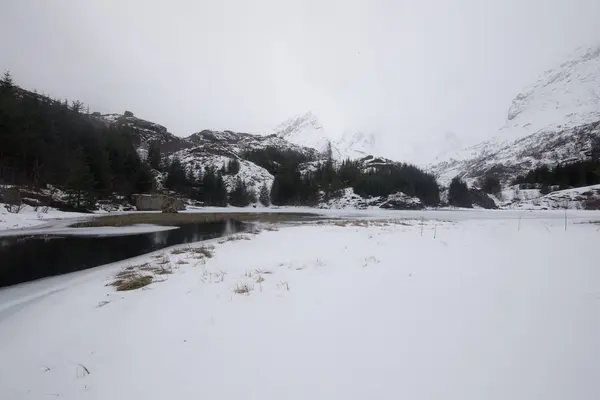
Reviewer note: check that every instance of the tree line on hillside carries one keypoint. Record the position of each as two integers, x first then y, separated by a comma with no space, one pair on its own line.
460,195
50,142
576,174
207,185
324,180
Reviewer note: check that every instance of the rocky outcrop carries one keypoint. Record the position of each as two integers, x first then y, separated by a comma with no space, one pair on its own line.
401,201
157,202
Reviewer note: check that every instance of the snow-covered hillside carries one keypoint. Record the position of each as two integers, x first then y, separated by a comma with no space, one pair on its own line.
582,198
552,121
563,97
196,161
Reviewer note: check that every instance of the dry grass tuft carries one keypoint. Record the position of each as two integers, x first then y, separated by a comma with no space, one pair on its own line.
233,238
178,251
164,260
263,272
132,282
163,270
203,251
243,289
260,279
181,262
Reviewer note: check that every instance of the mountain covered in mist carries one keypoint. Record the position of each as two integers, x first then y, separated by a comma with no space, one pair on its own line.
306,130
553,121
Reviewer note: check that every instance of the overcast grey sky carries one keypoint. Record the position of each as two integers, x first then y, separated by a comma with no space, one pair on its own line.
408,70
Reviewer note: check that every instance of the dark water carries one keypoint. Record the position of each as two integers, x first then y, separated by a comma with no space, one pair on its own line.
24,259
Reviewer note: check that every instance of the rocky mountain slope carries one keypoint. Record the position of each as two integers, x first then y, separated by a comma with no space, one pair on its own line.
209,149
553,121
145,132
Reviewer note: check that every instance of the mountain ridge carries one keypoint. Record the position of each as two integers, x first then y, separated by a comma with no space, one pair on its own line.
549,122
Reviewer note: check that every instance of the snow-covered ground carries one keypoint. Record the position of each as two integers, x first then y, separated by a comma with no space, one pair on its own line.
29,217
575,198
475,308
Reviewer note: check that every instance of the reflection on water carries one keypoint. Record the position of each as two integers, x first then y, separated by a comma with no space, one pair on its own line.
24,259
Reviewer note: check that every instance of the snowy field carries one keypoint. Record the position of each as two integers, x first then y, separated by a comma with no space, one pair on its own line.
28,217
487,308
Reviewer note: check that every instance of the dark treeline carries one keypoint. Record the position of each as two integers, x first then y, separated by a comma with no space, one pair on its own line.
207,185
582,173
45,141
293,186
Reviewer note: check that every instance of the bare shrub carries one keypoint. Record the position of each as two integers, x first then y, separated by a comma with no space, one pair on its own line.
13,200
592,203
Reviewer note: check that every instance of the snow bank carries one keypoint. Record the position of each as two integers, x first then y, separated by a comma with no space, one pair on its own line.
345,311
575,198
29,217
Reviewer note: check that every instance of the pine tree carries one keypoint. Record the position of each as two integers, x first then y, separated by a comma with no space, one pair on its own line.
77,106
264,196
81,182
145,180
154,156
220,192
458,193
239,196
7,83
210,187
176,176
233,167
491,185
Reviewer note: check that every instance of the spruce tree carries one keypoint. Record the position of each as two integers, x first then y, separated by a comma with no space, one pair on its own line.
264,196
80,184
176,176
239,196
154,156
7,83
491,185
458,194
219,192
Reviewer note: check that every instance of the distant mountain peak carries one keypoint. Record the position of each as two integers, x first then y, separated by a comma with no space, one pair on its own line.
303,130
306,130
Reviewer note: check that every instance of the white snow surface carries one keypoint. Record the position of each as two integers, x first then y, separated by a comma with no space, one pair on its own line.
471,309
29,217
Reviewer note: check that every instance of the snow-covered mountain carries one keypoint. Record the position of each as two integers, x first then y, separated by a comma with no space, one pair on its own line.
306,130
552,121
303,130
